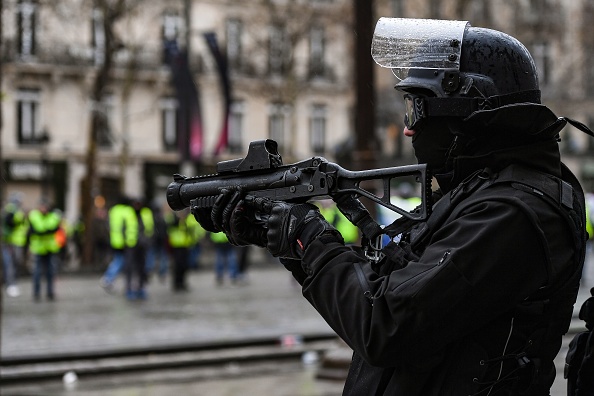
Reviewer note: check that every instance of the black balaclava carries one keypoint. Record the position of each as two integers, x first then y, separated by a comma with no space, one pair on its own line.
432,142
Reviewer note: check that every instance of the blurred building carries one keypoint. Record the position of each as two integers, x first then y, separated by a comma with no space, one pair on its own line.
290,66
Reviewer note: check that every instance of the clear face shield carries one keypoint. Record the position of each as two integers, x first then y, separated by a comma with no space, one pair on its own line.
402,44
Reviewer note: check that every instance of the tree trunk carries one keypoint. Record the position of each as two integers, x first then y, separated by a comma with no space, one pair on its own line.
98,117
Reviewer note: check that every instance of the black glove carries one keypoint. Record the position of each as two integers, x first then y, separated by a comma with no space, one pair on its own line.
291,227
237,220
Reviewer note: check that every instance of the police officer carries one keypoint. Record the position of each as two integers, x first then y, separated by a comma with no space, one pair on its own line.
475,299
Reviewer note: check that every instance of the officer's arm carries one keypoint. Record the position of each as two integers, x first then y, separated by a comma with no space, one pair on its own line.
478,266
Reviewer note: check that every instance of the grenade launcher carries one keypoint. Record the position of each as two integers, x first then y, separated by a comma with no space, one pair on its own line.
262,174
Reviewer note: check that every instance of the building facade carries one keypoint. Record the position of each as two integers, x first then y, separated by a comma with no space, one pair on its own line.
290,66
290,81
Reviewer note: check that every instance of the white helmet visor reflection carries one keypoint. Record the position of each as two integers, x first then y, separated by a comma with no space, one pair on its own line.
404,43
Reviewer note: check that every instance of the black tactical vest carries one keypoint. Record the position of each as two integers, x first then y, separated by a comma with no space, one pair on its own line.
545,316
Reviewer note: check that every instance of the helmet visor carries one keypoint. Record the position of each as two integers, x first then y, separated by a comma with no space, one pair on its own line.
404,43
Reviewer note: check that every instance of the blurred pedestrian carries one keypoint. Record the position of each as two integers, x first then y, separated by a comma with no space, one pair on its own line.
43,245
78,234
157,256
14,227
138,238
180,240
119,216
225,258
101,238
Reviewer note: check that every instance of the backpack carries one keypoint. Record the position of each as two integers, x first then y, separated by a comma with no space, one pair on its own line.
579,361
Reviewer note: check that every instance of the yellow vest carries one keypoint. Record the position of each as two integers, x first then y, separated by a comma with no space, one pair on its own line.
123,226
218,237
196,230
178,233
43,229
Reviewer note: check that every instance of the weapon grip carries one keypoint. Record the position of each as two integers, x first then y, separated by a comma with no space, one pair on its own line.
202,203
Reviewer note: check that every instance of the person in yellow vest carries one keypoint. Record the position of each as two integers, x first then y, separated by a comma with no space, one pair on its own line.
43,245
118,217
180,240
14,236
225,258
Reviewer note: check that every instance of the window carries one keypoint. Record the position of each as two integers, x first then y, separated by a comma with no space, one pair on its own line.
541,55
279,50
234,30
317,43
171,29
28,116
169,130
26,15
277,123
97,37
172,26
317,128
236,116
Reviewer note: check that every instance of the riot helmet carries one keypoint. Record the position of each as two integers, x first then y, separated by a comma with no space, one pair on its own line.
468,91
451,69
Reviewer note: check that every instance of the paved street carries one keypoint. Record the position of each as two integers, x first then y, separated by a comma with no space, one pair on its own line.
86,318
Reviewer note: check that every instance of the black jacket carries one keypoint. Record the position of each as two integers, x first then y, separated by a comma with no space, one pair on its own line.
484,301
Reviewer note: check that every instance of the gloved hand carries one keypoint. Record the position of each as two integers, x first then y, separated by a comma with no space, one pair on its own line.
291,227
237,220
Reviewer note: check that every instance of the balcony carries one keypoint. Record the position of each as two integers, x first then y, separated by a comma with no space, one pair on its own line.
77,55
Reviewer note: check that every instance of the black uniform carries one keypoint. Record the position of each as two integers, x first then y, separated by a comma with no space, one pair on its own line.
484,300
475,300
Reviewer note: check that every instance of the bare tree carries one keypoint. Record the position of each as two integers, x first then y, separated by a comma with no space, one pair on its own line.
109,13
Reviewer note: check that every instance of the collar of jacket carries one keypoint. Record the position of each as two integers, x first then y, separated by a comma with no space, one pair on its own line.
542,156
